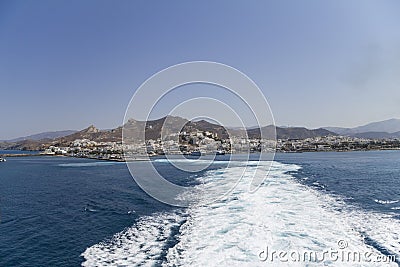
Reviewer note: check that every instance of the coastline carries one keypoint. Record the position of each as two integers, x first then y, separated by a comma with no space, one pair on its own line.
141,158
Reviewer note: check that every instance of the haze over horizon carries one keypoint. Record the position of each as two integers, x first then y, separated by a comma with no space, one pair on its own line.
70,64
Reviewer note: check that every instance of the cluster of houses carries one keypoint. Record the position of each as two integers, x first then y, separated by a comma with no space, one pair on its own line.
335,143
206,142
84,148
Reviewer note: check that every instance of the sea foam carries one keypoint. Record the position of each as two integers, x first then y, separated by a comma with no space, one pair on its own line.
90,164
282,215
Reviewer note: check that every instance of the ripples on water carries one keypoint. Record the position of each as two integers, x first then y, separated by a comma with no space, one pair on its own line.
310,201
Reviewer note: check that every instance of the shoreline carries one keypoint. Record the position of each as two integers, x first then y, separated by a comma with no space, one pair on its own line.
21,155
17,155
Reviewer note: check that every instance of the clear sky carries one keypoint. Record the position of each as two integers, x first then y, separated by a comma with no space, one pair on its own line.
69,64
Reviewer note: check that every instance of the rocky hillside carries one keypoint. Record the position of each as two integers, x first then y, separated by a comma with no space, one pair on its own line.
133,130
287,133
42,136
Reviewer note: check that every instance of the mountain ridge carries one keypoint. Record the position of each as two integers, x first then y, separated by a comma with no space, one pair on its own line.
174,124
153,130
380,129
42,135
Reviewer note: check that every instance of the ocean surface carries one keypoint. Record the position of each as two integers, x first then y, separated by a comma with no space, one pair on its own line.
58,211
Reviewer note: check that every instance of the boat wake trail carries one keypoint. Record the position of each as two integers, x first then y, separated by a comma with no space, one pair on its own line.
141,245
283,215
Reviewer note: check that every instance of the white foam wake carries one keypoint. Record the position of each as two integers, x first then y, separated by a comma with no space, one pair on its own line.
281,215
90,164
386,201
140,245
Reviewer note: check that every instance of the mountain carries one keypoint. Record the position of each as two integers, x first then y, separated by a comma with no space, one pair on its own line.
288,132
133,131
301,133
386,126
91,133
45,135
25,145
375,130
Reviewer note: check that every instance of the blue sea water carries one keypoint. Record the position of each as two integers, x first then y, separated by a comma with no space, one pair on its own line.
367,180
67,211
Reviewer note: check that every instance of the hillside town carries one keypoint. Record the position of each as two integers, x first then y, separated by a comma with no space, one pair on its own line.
198,143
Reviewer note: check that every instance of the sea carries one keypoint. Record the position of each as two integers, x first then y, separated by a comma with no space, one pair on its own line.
313,209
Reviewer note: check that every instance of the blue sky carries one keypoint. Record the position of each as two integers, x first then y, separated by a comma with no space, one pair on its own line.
69,64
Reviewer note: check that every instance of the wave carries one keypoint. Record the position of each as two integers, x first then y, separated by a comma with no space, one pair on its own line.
90,164
142,244
192,161
386,201
283,215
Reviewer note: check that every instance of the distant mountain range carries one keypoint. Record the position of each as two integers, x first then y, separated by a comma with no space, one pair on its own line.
41,136
384,129
287,132
375,130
